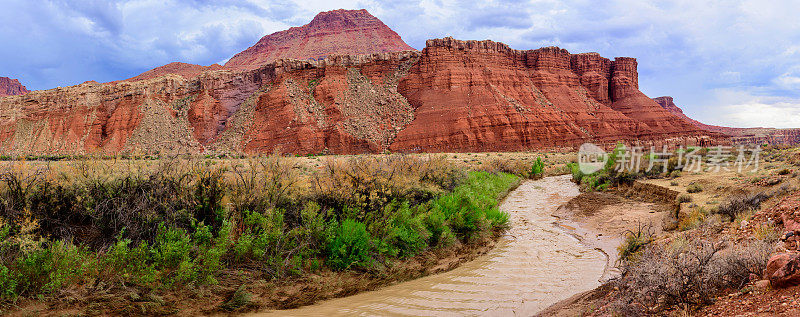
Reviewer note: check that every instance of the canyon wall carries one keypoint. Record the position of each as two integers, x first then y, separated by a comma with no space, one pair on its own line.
485,96
452,96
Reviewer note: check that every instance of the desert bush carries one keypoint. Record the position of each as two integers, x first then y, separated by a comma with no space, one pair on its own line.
634,242
733,206
694,188
688,271
693,219
261,184
505,165
684,198
368,185
669,275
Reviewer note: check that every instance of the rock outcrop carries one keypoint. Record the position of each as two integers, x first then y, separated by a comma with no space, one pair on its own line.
453,96
738,135
11,87
783,270
307,90
329,33
485,96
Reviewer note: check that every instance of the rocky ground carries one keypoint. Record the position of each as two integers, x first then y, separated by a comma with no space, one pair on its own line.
775,184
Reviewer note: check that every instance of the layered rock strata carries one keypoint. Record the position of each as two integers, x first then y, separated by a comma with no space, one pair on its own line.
329,33
452,96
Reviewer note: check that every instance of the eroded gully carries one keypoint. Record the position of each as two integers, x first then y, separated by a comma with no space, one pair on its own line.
534,265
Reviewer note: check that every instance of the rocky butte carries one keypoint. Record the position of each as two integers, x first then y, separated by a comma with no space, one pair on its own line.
11,87
329,33
451,96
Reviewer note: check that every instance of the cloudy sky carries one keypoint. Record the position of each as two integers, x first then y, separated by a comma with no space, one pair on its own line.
734,63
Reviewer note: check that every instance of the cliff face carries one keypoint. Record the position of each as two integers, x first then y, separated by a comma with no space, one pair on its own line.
485,96
11,87
452,96
738,135
329,33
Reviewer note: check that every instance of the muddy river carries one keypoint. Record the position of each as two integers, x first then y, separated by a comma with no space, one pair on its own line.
535,265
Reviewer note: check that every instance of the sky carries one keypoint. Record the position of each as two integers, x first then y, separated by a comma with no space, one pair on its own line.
733,63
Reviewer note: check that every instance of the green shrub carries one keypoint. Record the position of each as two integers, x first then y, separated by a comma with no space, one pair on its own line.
130,264
170,226
351,246
171,248
408,234
634,242
577,174
8,283
47,268
537,169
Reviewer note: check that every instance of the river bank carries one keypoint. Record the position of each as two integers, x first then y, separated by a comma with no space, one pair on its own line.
534,265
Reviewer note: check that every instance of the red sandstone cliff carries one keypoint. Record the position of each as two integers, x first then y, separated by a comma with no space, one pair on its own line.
738,135
485,96
11,87
329,33
452,96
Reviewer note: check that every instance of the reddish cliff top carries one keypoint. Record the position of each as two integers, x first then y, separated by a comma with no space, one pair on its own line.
177,68
329,33
11,87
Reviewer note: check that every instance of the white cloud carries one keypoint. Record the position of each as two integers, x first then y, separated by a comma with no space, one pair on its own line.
756,114
747,109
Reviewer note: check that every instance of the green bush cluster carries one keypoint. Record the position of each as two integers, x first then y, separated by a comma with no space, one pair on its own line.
606,177
610,175
172,227
537,169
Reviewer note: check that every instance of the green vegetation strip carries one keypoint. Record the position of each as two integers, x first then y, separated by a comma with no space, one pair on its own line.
170,226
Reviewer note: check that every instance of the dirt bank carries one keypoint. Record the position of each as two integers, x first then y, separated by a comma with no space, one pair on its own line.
601,220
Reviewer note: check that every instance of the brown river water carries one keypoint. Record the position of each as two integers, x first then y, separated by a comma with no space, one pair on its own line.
534,265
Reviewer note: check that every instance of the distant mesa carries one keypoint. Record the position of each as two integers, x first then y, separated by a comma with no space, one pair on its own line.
11,87
738,135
